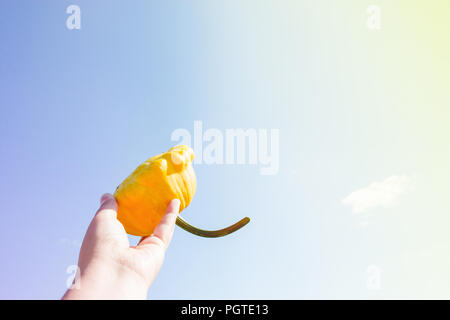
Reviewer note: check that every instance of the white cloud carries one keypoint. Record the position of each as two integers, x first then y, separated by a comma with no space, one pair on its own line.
378,194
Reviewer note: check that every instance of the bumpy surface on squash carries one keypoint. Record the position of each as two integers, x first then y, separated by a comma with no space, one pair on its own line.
144,196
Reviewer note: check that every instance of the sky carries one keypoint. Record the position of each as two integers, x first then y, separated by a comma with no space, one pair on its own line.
359,206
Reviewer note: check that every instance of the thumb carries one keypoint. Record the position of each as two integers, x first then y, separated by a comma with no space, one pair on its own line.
164,230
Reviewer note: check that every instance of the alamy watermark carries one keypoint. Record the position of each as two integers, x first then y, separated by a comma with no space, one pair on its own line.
373,21
373,280
73,281
234,146
74,20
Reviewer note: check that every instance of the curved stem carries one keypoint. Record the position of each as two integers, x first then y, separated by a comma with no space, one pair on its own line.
211,233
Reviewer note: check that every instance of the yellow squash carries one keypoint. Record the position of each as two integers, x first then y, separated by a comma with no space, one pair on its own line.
143,197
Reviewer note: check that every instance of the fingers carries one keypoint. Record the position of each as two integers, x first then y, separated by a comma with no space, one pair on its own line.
164,230
108,206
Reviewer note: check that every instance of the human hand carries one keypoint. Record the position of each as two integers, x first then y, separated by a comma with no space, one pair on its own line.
108,267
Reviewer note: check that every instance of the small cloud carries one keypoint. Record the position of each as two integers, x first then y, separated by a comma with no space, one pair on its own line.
378,194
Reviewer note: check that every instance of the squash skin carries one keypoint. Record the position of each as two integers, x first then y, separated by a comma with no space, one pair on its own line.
144,195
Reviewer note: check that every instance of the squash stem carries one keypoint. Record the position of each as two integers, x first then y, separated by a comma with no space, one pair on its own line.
211,233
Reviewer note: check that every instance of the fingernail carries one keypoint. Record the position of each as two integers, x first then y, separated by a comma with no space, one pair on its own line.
104,198
177,203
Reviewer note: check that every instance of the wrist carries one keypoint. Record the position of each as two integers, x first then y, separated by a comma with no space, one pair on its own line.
99,281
